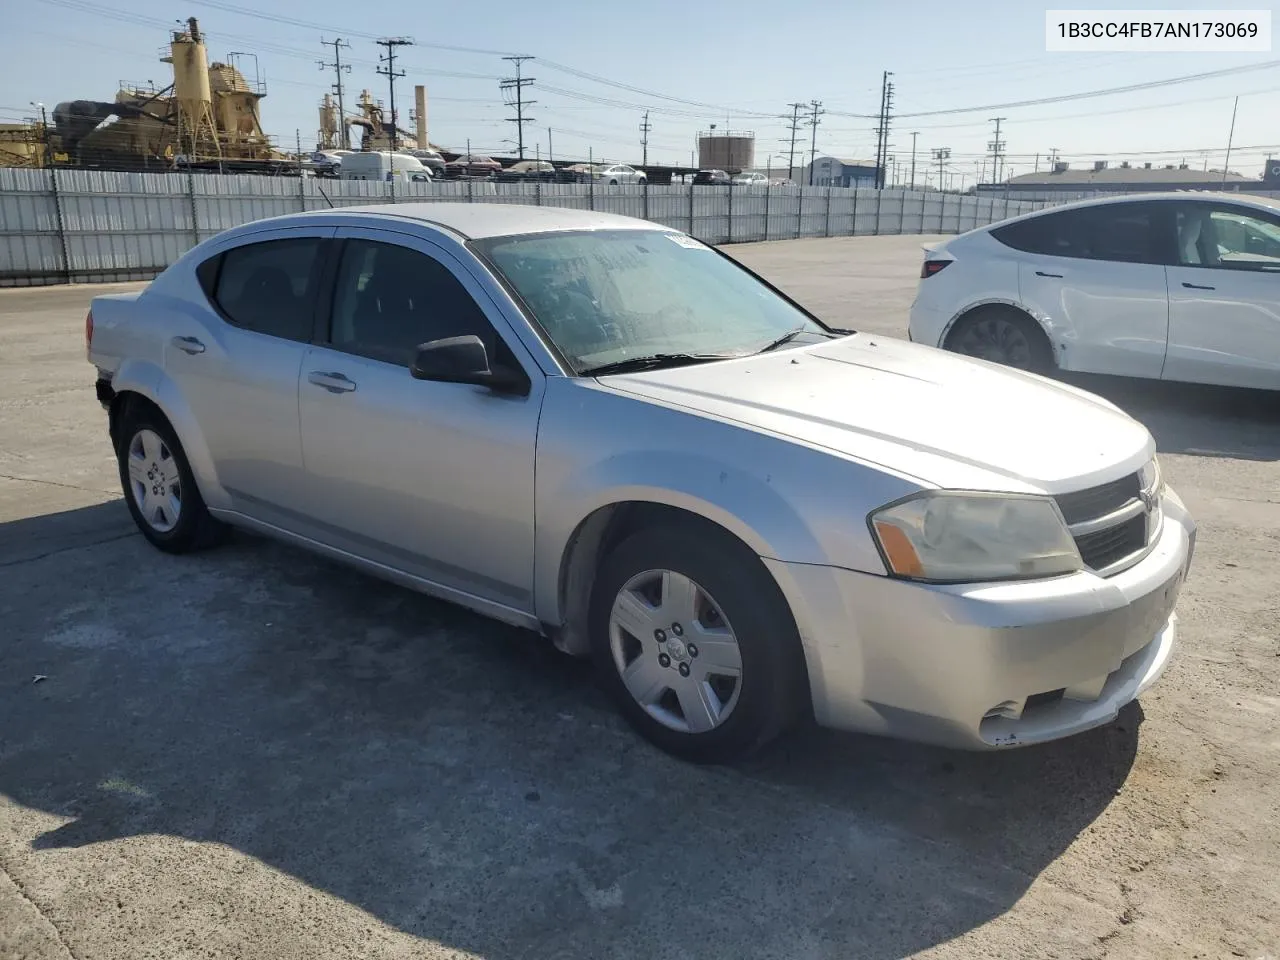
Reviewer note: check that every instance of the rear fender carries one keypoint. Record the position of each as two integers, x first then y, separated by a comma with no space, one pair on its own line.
1042,321
148,380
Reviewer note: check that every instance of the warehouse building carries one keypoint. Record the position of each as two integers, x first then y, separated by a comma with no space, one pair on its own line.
839,172
1129,178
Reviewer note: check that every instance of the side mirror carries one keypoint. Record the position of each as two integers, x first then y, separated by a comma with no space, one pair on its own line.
464,360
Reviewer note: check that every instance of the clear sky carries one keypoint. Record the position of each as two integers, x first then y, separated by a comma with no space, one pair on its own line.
740,63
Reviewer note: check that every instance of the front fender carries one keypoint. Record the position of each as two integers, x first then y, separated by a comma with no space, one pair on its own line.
149,380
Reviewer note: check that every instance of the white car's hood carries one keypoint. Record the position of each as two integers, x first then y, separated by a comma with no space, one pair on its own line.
941,418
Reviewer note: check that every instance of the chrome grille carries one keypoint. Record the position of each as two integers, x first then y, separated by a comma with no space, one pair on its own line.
1112,524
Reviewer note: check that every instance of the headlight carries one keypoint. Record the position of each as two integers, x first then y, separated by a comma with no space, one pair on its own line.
967,537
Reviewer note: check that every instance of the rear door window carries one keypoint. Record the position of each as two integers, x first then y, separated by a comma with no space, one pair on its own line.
268,287
1118,232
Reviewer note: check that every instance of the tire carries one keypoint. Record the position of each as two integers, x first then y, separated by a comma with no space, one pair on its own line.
149,453
742,622
1003,335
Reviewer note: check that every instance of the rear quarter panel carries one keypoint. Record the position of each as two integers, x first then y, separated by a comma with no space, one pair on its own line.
985,271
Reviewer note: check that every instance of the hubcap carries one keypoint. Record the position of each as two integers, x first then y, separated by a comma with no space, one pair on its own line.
996,339
154,481
675,651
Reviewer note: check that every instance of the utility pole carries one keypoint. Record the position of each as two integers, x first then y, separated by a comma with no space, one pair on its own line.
338,67
518,83
882,131
1230,140
550,156
390,72
795,128
941,154
996,147
815,113
914,134
645,127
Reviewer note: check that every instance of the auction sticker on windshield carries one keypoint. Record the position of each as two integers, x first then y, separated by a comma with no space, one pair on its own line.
685,241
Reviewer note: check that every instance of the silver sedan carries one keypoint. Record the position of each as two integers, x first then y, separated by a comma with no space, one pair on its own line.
607,432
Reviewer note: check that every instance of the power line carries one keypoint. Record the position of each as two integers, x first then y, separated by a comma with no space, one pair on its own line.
518,83
391,73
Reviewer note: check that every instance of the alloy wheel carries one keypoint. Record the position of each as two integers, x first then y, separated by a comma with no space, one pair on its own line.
996,339
154,481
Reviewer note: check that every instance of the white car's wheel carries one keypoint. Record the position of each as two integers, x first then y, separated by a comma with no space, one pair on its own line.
1002,335
695,644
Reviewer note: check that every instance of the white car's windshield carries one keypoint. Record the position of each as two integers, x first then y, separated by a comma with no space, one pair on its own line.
608,296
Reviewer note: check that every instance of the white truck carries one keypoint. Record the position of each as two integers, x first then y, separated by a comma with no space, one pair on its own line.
383,165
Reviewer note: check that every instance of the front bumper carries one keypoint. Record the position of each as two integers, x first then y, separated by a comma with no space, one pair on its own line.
985,666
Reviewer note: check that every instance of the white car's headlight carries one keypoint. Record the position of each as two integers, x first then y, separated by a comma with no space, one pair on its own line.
1152,477
967,537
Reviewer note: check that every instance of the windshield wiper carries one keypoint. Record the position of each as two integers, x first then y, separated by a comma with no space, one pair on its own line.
653,361
790,335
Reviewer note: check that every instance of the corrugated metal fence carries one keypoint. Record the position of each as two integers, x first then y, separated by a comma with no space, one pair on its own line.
78,226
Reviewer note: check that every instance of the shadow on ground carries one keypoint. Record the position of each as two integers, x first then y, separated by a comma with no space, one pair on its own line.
464,783
1196,419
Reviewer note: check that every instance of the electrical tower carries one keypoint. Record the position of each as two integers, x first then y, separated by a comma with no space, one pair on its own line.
815,114
795,130
645,127
996,147
882,131
941,154
513,95
338,67
390,72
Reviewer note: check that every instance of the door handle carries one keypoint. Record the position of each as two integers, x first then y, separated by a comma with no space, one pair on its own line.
333,382
188,344
1041,273
1196,286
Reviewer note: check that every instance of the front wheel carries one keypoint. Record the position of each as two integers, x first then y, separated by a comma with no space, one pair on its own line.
695,644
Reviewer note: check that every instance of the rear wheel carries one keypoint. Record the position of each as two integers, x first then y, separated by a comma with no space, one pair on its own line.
695,644
1002,335
159,487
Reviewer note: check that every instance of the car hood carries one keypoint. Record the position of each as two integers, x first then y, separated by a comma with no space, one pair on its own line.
946,420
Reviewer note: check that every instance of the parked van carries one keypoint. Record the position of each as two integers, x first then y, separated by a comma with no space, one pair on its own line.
382,165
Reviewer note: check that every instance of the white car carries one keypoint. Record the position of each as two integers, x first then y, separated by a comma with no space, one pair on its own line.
1177,286
620,173
751,180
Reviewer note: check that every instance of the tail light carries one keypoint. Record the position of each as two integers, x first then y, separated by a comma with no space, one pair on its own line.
931,267
88,329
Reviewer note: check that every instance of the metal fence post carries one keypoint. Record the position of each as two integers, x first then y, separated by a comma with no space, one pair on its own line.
879,194
591,190
537,193
730,240
62,226
924,205
828,226
191,197
768,191
942,212
853,220
800,212
691,208
646,197
471,190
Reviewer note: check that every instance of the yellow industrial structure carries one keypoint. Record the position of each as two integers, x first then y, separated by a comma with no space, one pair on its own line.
207,117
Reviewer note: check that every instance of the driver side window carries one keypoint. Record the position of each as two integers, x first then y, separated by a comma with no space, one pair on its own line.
389,299
1228,237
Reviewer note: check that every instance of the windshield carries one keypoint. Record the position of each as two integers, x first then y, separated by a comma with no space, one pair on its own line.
604,296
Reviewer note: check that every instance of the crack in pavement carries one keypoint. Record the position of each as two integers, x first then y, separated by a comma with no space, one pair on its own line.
55,483
45,921
67,549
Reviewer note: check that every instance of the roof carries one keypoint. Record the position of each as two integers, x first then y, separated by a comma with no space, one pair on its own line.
1115,176
479,220
848,162
1236,199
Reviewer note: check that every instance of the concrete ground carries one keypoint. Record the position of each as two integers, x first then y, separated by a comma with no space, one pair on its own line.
255,753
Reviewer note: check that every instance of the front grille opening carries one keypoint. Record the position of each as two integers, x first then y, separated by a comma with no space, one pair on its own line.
1043,699
1105,547
1098,501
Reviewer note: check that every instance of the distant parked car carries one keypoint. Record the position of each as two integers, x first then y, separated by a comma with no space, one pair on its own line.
578,173
528,170
748,179
601,429
382,165
620,173
1175,286
430,159
782,182
711,178
472,166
